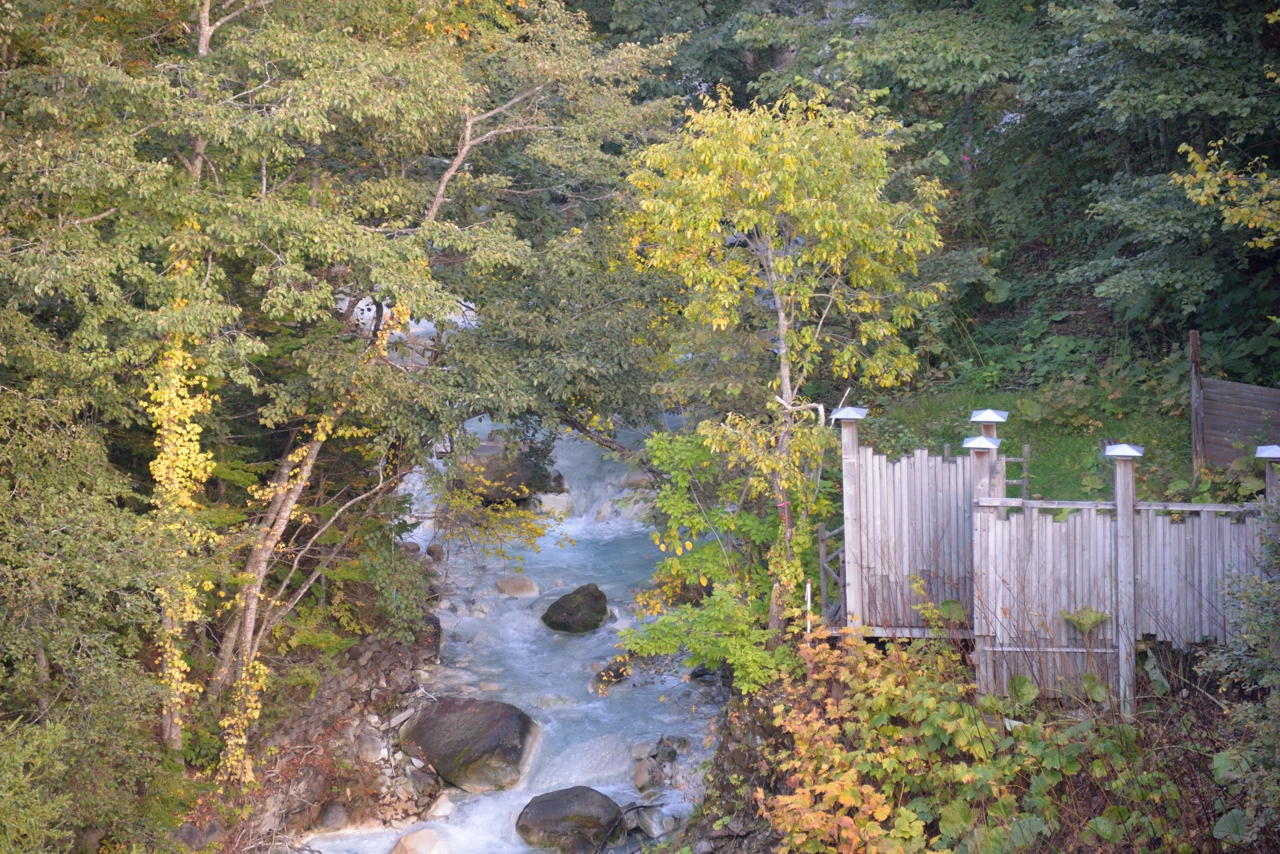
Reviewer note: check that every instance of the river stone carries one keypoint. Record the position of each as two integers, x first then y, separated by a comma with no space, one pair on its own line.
648,774
333,816
654,822
370,748
579,820
477,745
517,586
425,841
583,610
441,809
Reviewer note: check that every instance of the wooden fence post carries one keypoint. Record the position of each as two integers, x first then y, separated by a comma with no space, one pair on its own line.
1126,615
982,451
848,418
1197,410
1269,454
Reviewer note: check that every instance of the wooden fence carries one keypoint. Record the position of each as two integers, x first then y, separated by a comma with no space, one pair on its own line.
1031,575
1226,414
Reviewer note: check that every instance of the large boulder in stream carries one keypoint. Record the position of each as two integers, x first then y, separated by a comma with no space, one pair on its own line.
572,821
477,745
583,610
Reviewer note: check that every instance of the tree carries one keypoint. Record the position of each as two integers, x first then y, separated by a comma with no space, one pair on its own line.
216,223
787,207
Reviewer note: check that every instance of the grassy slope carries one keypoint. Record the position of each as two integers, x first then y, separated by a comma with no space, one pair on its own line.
1061,457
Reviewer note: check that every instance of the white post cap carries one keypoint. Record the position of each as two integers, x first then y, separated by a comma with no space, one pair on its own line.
849,413
989,416
1124,451
982,443
1268,452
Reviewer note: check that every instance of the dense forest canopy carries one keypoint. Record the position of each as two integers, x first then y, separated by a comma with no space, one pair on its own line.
259,259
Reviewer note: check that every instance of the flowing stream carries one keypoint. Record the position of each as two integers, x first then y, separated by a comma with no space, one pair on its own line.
587,738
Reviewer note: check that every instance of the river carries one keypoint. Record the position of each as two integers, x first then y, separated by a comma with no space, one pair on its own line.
587,738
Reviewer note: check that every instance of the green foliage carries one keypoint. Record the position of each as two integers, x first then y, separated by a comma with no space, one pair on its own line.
33,811
992,90
1249,661
711,597
790,201
724,628
892,754
891,750
77,575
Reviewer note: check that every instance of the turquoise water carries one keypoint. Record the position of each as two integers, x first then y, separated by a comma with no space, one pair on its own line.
586,738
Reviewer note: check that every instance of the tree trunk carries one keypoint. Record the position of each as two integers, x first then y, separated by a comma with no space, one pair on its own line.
259,561
170,721
776,623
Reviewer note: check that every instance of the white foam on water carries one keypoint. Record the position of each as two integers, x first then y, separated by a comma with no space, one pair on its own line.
586,737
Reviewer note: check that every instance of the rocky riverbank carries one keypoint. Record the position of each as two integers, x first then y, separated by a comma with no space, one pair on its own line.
337,762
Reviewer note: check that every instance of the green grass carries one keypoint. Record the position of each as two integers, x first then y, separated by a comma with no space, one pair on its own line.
1066,461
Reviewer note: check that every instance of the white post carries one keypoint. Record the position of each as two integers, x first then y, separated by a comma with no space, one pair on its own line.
1269,454
989,420
982,450
1126,617
848,418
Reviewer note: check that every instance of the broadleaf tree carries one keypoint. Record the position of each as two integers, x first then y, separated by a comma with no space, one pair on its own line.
786,208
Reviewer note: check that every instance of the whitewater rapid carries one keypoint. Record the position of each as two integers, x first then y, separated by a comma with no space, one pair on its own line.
587,737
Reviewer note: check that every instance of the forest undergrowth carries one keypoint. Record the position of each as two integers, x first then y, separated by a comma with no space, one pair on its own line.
885,746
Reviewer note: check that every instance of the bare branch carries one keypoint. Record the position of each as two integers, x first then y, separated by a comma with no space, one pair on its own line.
517,99
231,16
89,219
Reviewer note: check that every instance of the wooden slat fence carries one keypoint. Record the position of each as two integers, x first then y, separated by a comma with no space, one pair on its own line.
1225,414
1018,566
1029,568
916,520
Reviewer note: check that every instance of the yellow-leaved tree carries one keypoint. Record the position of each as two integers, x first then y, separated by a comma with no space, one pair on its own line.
787,208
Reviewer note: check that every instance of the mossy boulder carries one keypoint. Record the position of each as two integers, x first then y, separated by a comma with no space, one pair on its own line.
476,745
579,820
583,610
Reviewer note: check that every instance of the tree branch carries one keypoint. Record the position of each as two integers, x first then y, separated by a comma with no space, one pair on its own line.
231,16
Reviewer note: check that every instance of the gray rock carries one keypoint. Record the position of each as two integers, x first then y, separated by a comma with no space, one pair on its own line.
654,822
583,610
643,750
442,808
424,783
214,832
305,794
190,835
666,750
477,745
636,480
579,820
703,847
368,748
333,816
648,774
517,586
426,841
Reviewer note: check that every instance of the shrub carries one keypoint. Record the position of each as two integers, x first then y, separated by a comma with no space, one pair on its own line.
1249,663
889,751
